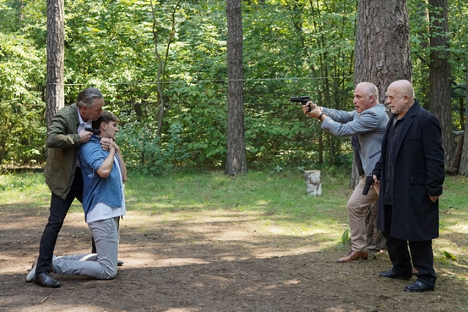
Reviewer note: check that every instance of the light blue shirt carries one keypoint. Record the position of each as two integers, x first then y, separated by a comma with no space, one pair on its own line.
97,190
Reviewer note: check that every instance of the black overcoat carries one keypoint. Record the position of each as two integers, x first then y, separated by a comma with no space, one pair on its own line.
418,173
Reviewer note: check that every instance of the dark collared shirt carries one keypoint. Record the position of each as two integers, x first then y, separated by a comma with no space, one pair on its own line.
392,140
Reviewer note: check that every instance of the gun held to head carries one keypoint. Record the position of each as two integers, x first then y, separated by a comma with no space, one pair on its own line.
94,131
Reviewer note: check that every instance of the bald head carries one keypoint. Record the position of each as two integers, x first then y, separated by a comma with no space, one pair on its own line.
403,87
400,97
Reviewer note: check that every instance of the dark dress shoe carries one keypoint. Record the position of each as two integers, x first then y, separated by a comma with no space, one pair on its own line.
44,279
418,287
353,255
391,274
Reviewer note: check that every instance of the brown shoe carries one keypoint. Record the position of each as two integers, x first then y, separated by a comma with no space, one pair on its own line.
353,255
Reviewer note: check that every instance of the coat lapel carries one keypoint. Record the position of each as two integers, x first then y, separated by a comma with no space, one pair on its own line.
407,122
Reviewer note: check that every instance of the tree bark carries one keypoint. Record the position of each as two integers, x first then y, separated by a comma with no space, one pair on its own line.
439,75
464,158
382,55
55,58
382,52
236,161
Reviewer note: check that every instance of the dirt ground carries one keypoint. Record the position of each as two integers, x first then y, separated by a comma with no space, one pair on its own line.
212,261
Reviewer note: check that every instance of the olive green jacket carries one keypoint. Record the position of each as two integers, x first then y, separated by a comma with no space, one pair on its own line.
62,147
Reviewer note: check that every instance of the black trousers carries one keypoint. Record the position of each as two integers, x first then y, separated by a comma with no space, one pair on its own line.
406,254
58,211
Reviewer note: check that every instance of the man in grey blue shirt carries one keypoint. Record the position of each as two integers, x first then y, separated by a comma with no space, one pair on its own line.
367,122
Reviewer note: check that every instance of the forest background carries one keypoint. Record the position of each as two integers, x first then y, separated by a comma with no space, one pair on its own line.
128,51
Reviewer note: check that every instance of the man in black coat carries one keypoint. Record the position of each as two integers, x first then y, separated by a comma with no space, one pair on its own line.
411,173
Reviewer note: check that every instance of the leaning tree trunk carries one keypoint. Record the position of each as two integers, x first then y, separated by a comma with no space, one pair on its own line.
55,58
382,55
464,158
236,161
439,76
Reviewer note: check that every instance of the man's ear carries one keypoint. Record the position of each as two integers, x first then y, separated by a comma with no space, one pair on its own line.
103,125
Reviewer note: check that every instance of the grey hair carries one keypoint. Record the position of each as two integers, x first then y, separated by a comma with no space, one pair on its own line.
371,89
87,96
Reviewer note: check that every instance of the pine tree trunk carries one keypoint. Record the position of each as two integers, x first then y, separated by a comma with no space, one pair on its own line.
382,55
464,158
55,58
236,161
439,76
382,52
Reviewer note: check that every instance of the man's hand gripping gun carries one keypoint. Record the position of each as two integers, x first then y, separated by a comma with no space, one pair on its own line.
94,131
369,183
302,100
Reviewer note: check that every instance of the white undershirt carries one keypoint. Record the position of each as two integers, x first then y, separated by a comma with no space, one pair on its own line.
81,126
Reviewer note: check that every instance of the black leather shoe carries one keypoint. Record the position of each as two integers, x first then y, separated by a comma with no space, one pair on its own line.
44,279
391,274
418,287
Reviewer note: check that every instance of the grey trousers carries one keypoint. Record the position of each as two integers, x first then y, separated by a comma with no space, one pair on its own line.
103,264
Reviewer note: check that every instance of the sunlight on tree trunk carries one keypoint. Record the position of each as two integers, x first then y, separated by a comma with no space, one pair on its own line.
55,58
236,161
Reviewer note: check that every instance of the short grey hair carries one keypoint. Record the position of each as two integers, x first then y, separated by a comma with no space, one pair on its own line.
371,89
87,96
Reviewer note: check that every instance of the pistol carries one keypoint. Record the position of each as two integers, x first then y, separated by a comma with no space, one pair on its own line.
94,131
369,182
301,99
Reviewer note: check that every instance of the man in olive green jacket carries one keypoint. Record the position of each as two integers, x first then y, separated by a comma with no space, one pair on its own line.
63,174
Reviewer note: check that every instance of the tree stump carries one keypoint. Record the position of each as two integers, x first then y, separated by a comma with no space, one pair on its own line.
313,185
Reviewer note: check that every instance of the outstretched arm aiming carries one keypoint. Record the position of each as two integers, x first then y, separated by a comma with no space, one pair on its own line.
315,111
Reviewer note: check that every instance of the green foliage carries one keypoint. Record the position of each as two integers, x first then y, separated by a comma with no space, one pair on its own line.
448,255
345,238
290,48
22,129
143,150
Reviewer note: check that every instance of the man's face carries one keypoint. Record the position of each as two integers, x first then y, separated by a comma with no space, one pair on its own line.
109,130
362,99
397,103
92,113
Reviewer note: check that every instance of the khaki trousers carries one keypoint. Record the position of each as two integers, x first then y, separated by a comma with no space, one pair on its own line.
357,207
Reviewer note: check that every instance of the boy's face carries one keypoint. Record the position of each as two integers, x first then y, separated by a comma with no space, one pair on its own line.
109,130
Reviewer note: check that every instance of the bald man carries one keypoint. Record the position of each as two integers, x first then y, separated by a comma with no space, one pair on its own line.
366,123
411,173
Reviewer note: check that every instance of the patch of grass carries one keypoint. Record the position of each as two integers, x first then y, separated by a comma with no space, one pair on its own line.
27,189
278,198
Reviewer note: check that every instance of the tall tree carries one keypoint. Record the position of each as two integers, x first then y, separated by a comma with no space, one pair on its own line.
464,158
236,161
382,51
162,63
439,75
55,58
382,55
